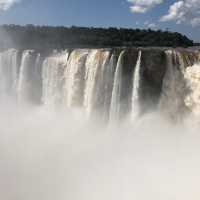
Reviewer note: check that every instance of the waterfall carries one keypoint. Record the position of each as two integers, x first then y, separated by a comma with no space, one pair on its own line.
95,63
102,82
8,72
182,62
38,66
174,87
192,99
27,77
74,78
168,99
92,64
107,85
23,74
136,87
116,93
53,78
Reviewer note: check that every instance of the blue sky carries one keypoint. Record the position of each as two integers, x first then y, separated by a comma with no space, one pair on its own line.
177,15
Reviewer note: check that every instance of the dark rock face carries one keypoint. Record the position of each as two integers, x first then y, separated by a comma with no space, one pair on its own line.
153,68
128,62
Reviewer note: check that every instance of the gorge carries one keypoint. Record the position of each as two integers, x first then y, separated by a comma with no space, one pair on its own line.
108,123
111,83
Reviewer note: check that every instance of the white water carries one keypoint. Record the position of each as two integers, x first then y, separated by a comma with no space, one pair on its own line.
192,100
116,93
174,88
24,87
95,63
8,72
107,74
74,78
50,154
53,78
136,88
91,65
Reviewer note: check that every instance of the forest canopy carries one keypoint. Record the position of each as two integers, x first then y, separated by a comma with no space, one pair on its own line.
48,37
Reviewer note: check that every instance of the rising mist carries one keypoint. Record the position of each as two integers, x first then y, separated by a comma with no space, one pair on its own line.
99,124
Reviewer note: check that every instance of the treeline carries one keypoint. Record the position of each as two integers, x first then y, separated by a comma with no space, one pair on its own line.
47,37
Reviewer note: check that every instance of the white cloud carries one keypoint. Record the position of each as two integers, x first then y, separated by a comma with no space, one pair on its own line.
6,4
150,25
195,21
181,11
184,11
142,6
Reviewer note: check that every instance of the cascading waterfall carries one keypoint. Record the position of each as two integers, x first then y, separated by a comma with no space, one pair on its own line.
96,117
116,92
136,87
91,65
53,78
8,72
23,78
107,85
178,84
192,99
38,66
74,78
93,79
101,97
97,80
173,87
181,62
27,79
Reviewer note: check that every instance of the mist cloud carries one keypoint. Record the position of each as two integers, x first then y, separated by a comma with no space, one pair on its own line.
46,156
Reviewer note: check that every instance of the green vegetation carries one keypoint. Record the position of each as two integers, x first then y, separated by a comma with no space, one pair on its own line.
46,37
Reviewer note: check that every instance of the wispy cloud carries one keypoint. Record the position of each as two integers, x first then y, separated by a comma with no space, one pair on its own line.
7,4
142,6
